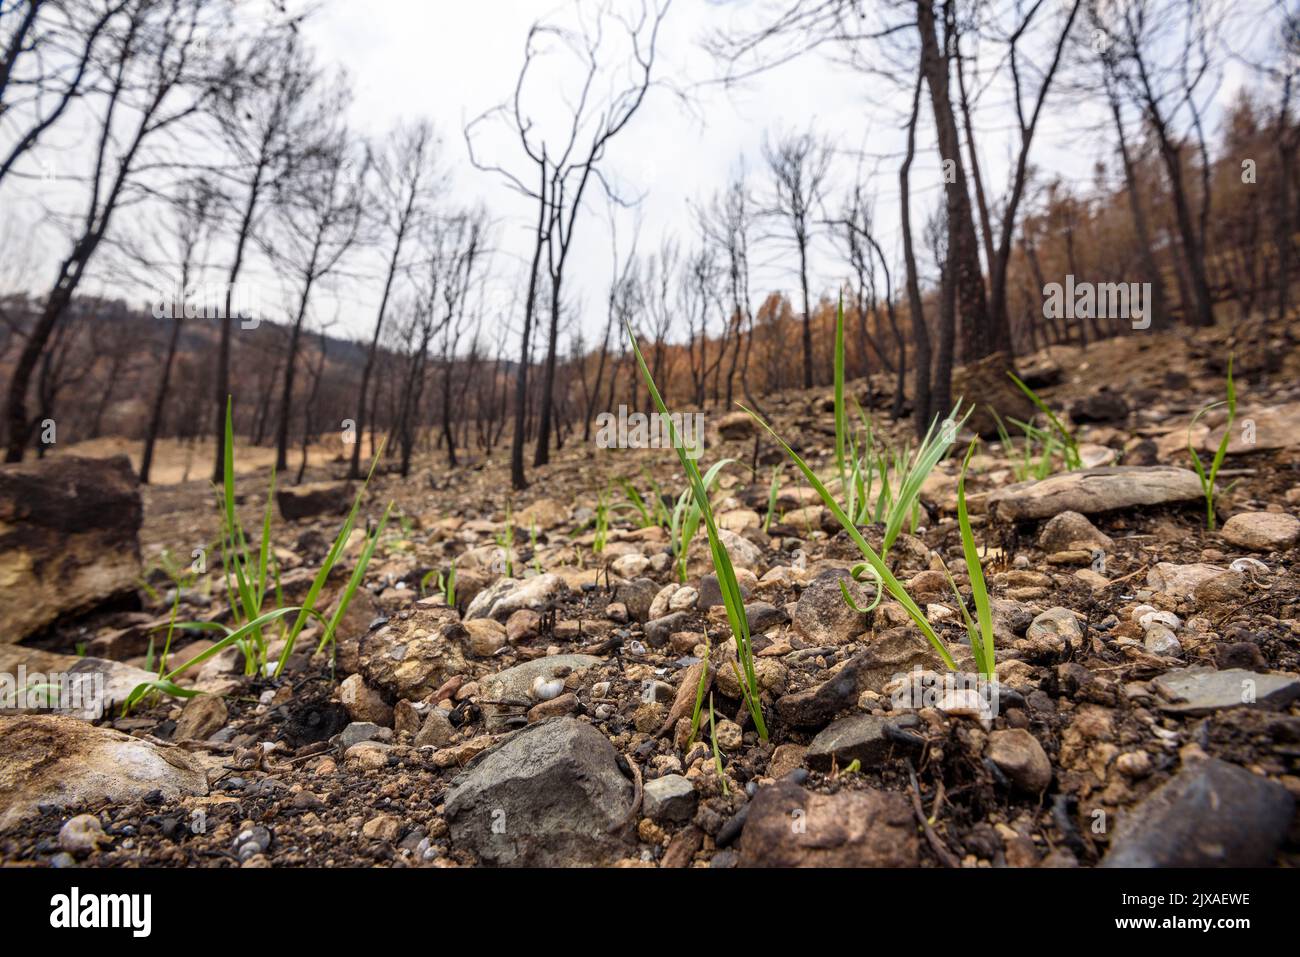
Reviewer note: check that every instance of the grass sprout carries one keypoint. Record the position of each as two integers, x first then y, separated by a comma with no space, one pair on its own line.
721,559
1207,478
1073,461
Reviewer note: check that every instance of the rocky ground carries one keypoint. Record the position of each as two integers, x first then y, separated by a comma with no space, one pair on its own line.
1147,668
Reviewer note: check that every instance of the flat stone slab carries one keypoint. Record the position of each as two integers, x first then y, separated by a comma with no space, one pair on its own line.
1197,691
860,737
1090,491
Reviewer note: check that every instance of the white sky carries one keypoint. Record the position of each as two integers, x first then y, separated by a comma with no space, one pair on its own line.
450,61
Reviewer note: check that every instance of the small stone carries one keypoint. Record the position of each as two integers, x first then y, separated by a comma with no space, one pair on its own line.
201,717
861,737
564,704
384,827
860,828
437,730
1262,531
522,625
1160,640
363,703
1070,530
728,735
822,615
669,798
786,758
1021,758
82,834
359,731
486,637
1053,629
1226,588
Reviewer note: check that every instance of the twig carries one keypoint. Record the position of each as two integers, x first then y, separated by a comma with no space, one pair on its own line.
946,857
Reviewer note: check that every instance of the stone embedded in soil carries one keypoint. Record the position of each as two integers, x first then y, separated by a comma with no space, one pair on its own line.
544,515
823,616
658,630
66,763
202,717
364,703
1052,630
69,531
311,499
861,737
1160,640
1090,491
507,595
549,795
637,595
1262,531
510,692
736,425
1021,758
1070,530
412,657
1227,586
669,798
985,386
1198,691
437,730
1101,406
1180,580
788,826
1211,814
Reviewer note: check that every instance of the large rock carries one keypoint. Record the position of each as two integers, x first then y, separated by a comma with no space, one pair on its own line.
510,692
550,795
1201,690
1262,531
1211,814
1275,427
69,530
312,499
1090,491
505,596
985,385
62,762
788,826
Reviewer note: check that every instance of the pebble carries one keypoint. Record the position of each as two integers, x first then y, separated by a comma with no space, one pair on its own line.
82,834
1021,758
669,798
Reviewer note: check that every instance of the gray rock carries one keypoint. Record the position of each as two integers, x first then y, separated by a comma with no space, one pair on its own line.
88,688
1200,690
761,616
510,692
823,616
436,731
1089,491
669,798
1054,627
658,630
359,731
1211,814
1159,640
637,595
711,591
549,795
861,737
507,595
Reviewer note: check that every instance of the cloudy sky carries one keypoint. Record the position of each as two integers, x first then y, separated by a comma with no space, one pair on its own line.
451,61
